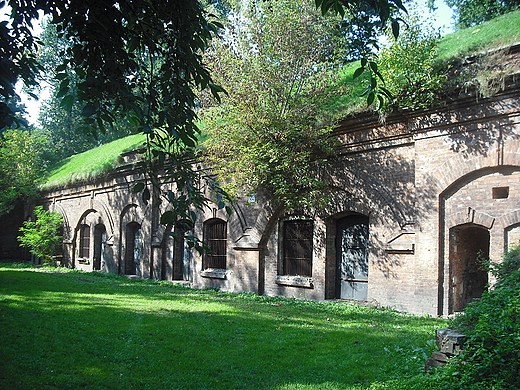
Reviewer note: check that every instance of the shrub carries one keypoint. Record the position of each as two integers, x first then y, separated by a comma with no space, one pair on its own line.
409,69
492,323
41,236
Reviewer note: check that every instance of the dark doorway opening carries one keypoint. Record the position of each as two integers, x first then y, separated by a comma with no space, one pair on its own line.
100,238
175,264
352,257
469,245
134,248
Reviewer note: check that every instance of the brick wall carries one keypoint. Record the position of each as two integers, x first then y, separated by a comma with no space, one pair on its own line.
416,177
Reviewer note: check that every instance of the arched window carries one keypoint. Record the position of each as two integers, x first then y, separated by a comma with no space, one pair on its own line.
84,241
297,247
215,238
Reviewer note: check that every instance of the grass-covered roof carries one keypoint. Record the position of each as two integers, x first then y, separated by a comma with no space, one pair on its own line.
502,31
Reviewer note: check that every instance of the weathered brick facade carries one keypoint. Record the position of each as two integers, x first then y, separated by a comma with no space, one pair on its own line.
436,187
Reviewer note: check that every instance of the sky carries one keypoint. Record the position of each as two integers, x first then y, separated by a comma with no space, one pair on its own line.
441,18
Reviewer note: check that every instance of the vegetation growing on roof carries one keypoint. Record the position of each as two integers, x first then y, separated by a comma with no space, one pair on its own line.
91,164
501,31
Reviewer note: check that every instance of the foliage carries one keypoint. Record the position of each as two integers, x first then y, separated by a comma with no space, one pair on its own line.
21,166
364,30
138,58
42,235
472,12
109,41
276,62
409,67
148,334
492,323
194,188
63,126
138,61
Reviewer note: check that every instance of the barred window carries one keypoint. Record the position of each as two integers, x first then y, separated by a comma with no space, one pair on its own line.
297,247
215,238
84,241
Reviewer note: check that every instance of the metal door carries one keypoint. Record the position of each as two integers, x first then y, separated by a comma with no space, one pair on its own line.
352,257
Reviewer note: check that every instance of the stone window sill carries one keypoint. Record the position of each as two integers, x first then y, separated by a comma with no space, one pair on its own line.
214,273
295,281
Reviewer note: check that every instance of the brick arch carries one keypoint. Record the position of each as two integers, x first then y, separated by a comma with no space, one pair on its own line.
449,178
470,216
361,192
77,223
132,213
509,219
103,210
460,166
67,230
82,217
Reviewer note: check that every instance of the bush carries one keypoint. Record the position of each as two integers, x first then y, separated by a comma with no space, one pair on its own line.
492,323
409,69
41,236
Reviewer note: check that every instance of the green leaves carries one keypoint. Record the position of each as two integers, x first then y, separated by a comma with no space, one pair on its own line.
268,131
41,236
21,166
409,69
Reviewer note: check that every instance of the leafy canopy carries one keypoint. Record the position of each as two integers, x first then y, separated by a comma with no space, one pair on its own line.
472,12
21,166
140,61
64,127
278,62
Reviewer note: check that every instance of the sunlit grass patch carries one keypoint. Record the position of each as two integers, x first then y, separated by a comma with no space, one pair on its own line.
75,329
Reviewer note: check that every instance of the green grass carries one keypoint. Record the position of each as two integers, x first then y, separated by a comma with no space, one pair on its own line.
63,329
92,163
501,31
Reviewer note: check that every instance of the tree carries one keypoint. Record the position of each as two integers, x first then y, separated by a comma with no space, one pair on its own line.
21,165
471,12
412,76
42,235
136,60
140,60
109,40
278,61
63,127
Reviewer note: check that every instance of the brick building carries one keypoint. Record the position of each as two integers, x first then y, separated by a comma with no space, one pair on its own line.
417,200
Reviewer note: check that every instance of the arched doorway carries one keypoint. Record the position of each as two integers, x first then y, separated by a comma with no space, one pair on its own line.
134,248
176,260
352,257
100,238
469,245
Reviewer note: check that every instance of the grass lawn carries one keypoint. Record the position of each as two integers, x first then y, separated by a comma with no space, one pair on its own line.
63,329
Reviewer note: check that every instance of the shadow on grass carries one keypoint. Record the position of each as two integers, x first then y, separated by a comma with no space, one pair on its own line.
78,330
